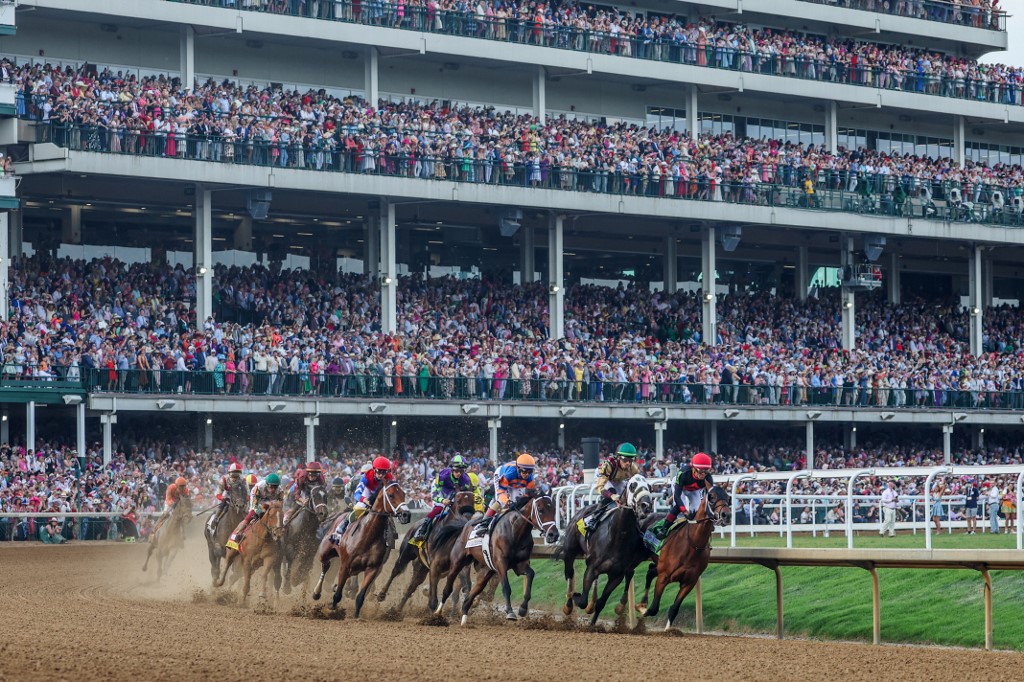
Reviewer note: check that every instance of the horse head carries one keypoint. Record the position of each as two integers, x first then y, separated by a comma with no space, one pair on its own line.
717,506
317,502
273,521
391,501
540,512
238,499
183,510
464,503
638,496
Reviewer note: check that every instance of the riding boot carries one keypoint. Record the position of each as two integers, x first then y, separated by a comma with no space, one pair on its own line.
590,523
211,525
420,536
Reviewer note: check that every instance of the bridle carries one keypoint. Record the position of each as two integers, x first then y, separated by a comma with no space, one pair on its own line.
390,508
534,517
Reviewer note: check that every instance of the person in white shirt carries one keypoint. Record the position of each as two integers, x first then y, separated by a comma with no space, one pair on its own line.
889,499
994,497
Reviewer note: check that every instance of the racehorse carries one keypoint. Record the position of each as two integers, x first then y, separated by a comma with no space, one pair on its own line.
170,537
364,547
432,558
615,548
260,548
510,546
300,538
233,515
685,553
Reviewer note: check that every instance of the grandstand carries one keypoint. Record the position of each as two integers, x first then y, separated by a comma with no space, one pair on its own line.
683,217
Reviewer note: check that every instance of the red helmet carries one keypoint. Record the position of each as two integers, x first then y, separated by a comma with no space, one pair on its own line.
300,474
700,461
382,464
314,466
235,468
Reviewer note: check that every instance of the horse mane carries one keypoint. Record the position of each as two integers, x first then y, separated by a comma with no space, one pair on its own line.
445,533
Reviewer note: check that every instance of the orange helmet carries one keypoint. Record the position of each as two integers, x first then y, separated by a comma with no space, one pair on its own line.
525,461
700,461
180,482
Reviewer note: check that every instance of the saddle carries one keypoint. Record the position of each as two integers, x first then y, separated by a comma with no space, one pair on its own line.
653,542
581,525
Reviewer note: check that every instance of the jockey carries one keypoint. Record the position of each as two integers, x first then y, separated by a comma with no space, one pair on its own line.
688,491
370,484
175,492
336,496
250,482
228,487
263,493
612,476
305,480
449,481
511,482
478,495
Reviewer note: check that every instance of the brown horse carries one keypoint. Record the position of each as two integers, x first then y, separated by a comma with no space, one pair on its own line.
686,553
433,557
260,548
511,543
364,547
169,538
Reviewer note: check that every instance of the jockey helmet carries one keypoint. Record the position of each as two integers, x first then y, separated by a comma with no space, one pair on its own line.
382,464
251,480
458,462
273,479
627,450
525,461
180,482
235,468
300,474
314,466
701,461
338,481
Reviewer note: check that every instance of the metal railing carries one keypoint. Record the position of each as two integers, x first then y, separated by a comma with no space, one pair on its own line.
117,525
795,186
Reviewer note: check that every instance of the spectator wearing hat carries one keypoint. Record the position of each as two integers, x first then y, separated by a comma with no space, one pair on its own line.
50,534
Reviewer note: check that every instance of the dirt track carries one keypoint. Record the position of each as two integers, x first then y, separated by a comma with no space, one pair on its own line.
87,612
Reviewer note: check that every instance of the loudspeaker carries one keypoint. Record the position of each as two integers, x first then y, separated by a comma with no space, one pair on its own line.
258,203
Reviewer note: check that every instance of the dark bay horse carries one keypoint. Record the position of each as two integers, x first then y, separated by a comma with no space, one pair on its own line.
615,549
364,547
233,515
300,538
511,543
170,537
433,557
260,548
686,552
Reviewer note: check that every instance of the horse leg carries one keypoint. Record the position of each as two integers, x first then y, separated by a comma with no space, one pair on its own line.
481,582
152,546
582,597
340,587
229,557
396,570
506,590
465,583
419,574
659,587
652,573
453,573
246,580
613,582
524,608
325,565
368,578
674,609
570,586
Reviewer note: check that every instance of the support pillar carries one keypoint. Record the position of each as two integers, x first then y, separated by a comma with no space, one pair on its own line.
492,439
187,57
711,437
556,288
208,433
947,436
659,440
388,269
893,279
16,233
693,112
959,151
832,127
80,428
30,426
850,437
810,445
709,275
976,308
371,83
987,283
5,428
71,225
848,298
371,247
527,255
561,435
803,273
389,435
978,438
108,420
202,219
243,234
5,266
540,95
670,281
311,422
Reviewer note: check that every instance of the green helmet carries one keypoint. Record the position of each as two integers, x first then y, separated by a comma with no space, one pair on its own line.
626,450
273,479
458,462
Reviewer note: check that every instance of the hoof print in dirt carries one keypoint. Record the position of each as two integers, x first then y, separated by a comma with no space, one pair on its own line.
435,620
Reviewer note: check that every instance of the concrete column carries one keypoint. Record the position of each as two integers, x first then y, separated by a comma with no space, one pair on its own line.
493,425
16,233
893,279
30,426
71,225
987,283
527,255
803,273
556,285
659,440
371,84
978,438
709,276
947,435
371,246
5,265
711,437
208,432
5,428
671,268
831,127
243,234
311,422
202,219
390,435
848,300
187,57
80,428
388,269
810,445
959,152
976,307
108,420
850,437
540,96
693,112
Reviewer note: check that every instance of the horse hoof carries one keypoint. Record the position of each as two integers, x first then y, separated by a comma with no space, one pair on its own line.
567,610
668,626
316,596
382,596
510,616
619,609
465,619
523,611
